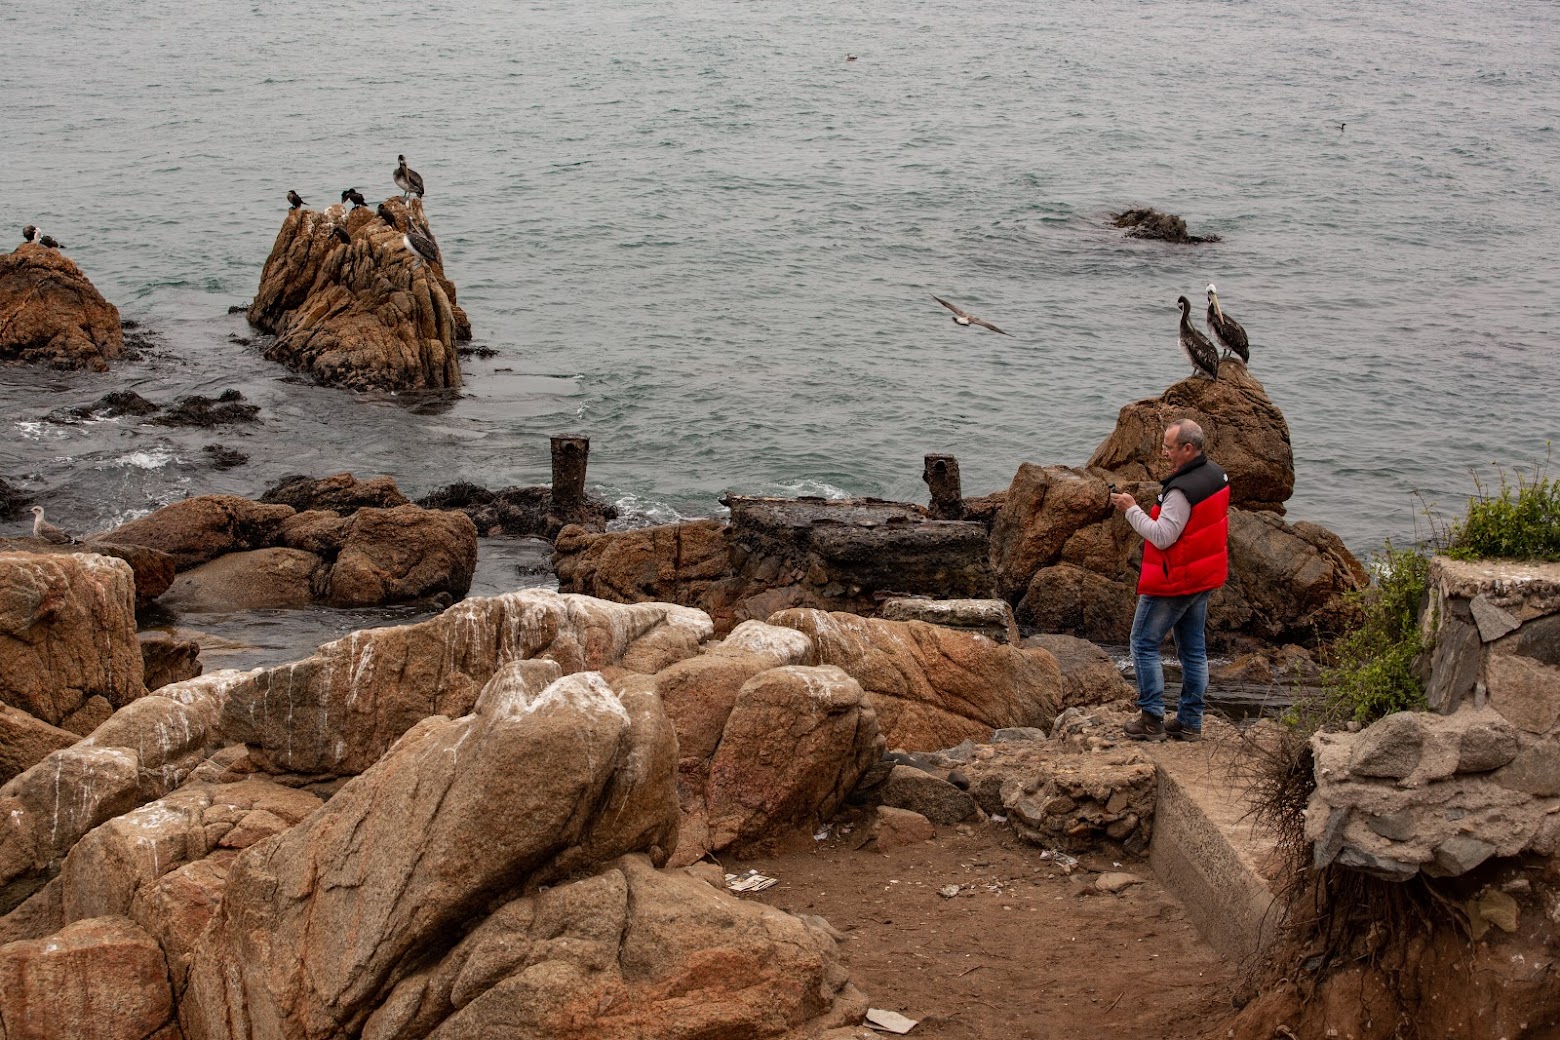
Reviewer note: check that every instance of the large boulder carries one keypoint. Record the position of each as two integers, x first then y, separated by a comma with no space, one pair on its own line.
365,313
104,977
932,687
25,741
259,579
321,922
670,563
630,954
401,554
202,528
337,712
1247,437
153,569
341,493
67,633
51,314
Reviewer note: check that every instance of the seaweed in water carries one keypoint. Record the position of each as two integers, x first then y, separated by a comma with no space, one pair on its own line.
223,457
196,410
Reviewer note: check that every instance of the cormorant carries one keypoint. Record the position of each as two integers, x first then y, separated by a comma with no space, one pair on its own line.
355,197
1202,355
46,531
963,317
408,180
341,234
295,199
1226,329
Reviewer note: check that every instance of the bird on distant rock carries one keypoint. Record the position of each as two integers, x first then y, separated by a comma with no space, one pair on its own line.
355,197
341,234
1226,329
295,199
30,233
965,318
408,180
47,532
1200,352
850,57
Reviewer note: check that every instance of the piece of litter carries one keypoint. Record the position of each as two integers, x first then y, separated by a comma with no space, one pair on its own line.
998,818
752,881
822,834
889,1021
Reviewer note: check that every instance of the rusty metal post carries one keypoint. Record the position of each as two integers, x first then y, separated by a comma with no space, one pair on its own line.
942,476
570,453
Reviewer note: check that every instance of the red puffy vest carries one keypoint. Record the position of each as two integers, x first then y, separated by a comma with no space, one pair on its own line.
1199,560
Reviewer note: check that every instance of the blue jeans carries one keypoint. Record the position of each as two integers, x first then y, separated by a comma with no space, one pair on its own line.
1157,617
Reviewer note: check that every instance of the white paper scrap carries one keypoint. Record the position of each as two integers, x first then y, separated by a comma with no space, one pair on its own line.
889,1021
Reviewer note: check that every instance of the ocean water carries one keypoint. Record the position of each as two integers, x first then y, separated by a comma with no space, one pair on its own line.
693,231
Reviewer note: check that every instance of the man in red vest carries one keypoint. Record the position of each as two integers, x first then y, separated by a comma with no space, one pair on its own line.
1185,557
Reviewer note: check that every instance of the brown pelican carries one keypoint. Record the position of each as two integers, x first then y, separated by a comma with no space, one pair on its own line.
1195,345
1226,329
46,531
295,199
355,197
963,317
408,180
30,233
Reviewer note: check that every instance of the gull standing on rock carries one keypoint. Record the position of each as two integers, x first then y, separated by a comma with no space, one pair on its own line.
1200,352
1226,329
408,180
965,318
47,532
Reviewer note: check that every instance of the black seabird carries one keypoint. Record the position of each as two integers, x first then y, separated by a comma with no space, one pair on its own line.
963,317
355,197
408,180
1202,355
295,199
46,531
30,233
1226,329
341,234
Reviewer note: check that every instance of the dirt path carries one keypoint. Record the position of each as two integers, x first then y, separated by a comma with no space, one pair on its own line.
1023,950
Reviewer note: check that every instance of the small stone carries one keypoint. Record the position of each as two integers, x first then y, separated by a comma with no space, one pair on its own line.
1017,735
1493,622
1116,881
1367,862
948,891
1390,747
1398,826
1457,855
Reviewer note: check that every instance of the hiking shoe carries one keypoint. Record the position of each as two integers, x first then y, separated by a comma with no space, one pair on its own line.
1176,731
1145,727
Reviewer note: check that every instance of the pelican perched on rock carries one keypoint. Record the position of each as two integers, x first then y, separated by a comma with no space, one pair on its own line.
408,180
296,199
355,197
965,318
30,233
1201,353
1226,329
47,532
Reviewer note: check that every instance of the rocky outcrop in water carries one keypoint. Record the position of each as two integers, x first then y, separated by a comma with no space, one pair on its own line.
152,569
236,554
341,493
363,313
51,314
194,410
1162,227
518,512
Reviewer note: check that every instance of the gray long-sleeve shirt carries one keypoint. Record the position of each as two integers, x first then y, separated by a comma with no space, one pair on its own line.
1174,511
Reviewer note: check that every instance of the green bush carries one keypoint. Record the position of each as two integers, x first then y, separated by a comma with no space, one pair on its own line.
1372,672
1522,522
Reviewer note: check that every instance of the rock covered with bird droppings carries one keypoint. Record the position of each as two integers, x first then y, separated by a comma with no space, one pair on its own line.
51,314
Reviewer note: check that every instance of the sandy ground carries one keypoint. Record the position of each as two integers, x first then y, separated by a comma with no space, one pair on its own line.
1024,950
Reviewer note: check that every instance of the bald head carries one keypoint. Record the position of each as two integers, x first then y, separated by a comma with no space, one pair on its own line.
1186,432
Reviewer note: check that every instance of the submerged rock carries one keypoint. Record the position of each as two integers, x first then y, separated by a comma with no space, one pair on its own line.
51,314
364,313
1165,227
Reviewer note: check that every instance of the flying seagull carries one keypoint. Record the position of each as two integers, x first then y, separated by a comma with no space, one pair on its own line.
408,180
1202,355
30,233
47,532
1226,329
963,317
295,199
355,197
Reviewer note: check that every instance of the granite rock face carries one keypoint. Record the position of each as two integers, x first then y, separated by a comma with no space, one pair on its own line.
51,314
365,313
